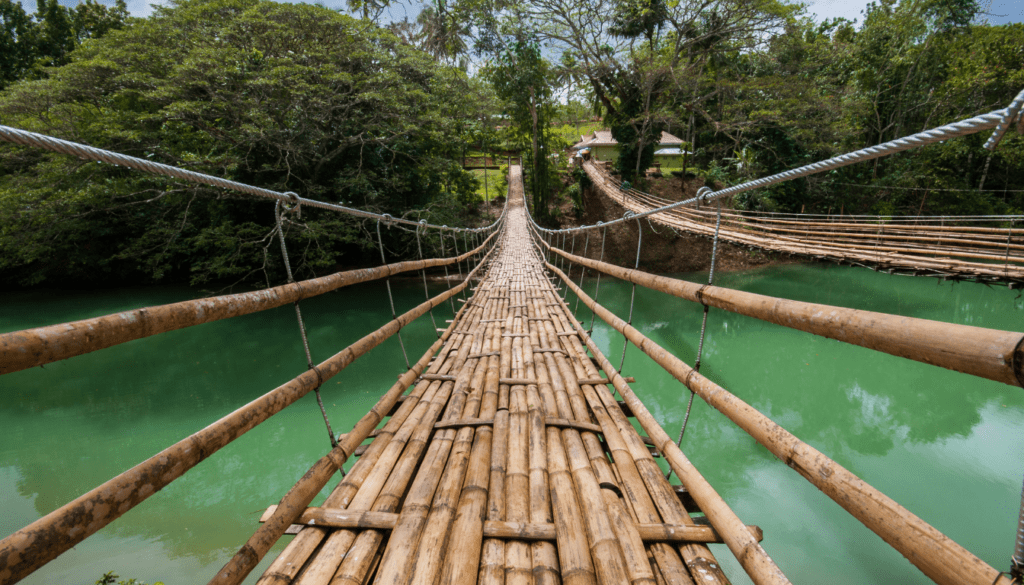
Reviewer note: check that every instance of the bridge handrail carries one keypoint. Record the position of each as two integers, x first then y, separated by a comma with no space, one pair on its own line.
997,119
26,138
38,543
986,353
936,555
20,350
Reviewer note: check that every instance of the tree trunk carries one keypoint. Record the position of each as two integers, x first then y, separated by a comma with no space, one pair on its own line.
538,203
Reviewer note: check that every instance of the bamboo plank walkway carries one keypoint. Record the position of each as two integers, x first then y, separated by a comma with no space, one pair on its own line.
495,468
984,254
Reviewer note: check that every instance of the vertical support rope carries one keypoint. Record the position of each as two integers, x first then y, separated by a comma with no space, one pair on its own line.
597,287
465,244
583,272
302,328
572,250
391,299
455,243
632,295
1009,234
423,271
703,328
451,299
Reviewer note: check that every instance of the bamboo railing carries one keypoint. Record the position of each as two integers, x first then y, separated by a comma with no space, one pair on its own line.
38,543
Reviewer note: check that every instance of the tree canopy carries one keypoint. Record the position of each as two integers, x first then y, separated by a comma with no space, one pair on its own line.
287,97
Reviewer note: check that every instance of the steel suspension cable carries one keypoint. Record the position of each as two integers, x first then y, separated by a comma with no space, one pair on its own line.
391,299
278,212
999,119
84,152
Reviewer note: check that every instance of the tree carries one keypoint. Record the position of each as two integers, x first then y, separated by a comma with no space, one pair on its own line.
287,97
521,78
46,39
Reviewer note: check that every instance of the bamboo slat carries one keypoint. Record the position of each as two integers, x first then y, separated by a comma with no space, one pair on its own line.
938,557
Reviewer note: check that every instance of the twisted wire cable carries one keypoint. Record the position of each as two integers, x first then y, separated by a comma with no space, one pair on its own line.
33,139
994,119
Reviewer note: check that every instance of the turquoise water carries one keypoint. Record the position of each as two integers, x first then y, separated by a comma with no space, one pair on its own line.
945,445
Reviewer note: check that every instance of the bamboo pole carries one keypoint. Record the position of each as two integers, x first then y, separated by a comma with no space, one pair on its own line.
936,555
20,350
987,353
466,543
33,546
352,565
287,565
633,487
302,493
400,553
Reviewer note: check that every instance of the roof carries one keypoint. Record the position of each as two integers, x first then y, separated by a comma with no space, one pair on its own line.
604,138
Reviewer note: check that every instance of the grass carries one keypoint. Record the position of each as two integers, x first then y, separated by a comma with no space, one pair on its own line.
492,184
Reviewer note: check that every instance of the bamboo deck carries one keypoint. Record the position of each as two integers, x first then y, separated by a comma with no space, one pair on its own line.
510,461
960,252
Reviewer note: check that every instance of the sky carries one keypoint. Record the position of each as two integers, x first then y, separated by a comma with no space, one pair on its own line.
1000,11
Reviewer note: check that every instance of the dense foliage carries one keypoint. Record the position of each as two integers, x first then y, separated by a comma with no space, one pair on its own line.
757,87
301,98
287,97
29,43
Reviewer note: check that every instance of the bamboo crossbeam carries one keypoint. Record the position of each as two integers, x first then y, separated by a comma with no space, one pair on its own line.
28,348
339,518
936,555
987,353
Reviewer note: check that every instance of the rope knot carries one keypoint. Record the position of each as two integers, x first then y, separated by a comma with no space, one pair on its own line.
628,215
388,220
704,193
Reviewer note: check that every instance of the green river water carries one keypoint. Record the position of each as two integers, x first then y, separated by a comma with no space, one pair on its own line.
945,445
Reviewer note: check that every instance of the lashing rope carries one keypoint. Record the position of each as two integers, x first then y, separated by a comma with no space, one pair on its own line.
391,299
278,212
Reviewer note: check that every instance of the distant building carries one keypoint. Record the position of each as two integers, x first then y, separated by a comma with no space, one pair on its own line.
603,147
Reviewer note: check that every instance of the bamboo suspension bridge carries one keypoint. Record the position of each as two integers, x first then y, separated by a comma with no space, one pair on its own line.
509,451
